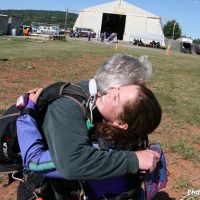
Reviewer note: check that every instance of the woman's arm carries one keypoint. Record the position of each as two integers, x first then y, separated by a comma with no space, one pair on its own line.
35,157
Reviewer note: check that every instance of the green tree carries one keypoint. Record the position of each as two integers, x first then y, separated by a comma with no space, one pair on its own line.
196,41
172,30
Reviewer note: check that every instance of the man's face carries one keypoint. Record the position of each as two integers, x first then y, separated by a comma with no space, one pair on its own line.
111,104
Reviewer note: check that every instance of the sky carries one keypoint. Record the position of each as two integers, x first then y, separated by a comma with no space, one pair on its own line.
185,12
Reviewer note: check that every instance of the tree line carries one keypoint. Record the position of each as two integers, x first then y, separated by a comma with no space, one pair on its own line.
42,16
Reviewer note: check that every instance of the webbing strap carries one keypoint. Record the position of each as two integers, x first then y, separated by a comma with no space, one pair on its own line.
84,109
68,90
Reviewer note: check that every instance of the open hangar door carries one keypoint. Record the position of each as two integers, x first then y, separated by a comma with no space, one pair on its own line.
113,23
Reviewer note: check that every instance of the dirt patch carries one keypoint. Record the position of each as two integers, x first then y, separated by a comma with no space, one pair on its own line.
183,174
18,77
7,192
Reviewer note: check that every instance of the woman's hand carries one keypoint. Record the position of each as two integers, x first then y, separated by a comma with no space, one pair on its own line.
147,160
34,94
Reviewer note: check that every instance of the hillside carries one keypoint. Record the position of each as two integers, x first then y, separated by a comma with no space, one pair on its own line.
42,16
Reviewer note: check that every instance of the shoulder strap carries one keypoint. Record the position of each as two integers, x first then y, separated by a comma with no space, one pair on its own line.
77,94
74,89
82,105
54,91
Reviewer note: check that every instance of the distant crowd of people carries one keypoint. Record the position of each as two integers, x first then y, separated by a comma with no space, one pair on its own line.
112,38
102,36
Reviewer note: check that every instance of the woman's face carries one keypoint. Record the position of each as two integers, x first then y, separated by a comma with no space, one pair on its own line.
111,104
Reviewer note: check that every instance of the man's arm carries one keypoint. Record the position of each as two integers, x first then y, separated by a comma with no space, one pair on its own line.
70,148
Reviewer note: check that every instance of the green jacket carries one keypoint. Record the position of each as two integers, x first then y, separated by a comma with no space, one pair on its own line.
74,157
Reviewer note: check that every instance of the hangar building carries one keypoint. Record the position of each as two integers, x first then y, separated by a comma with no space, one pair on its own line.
127,20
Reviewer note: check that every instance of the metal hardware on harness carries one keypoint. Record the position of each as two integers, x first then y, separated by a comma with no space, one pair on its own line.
29,186
82,195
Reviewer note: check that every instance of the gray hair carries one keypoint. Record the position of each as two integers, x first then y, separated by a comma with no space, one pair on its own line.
121,70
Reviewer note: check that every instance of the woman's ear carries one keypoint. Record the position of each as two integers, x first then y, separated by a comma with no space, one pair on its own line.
119,124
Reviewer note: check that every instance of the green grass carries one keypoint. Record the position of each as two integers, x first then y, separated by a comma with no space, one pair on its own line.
36,49
196,139
183,148
184,184
177,84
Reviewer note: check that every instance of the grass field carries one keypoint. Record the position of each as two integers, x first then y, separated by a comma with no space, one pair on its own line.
28,63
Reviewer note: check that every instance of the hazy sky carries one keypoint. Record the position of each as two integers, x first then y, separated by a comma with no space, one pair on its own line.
186,12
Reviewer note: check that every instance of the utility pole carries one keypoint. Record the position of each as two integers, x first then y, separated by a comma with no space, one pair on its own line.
66,18
173,29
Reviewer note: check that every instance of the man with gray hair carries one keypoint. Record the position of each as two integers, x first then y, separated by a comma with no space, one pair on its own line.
121,70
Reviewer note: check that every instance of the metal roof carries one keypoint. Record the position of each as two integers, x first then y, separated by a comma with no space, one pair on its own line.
1,15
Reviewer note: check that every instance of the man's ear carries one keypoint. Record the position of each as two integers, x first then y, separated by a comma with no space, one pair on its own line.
120,125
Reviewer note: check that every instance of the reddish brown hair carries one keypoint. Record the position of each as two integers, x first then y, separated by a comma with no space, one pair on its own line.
143,116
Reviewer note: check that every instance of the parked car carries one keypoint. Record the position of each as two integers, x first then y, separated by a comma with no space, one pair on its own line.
61,31
198,49
186,47
185,44
48,30
83,32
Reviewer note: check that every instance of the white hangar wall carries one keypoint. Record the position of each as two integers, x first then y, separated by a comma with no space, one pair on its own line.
138,23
